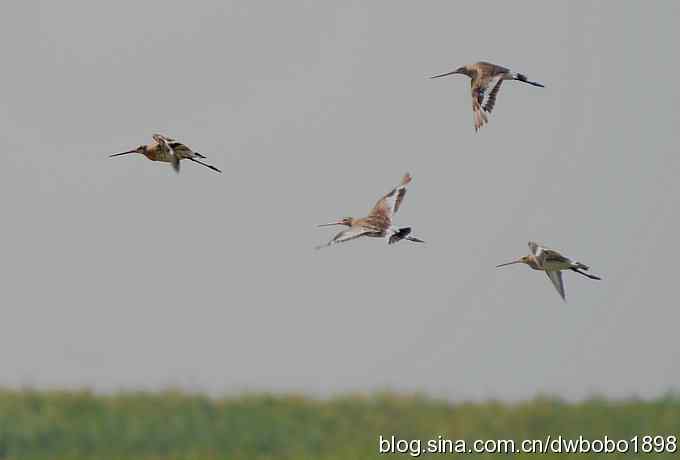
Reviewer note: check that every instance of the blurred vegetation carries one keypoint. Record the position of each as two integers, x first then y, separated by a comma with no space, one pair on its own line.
173,425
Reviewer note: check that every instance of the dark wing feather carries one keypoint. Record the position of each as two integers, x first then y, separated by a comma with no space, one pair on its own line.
181,150
478,94
388,205
550,255
166,143
491,99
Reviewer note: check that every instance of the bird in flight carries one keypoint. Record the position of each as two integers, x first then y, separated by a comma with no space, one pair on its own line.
552,263
378,223
168,150
485,82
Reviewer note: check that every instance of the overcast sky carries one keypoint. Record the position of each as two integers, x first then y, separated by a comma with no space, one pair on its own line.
117,273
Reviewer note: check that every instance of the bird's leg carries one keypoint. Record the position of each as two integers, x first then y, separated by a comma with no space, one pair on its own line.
592,277
205,164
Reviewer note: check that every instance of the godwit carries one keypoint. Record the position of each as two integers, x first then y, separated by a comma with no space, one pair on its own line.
552,263
484,75
378,223
168,150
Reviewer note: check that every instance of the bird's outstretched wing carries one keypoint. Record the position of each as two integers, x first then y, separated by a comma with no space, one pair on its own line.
351,233
165,141
535,248
388,205
169,144
537,251
181,150
480,118
491,97
483,100
550,255
555,278
548,258
178,148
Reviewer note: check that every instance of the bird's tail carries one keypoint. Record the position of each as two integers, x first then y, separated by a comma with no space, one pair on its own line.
401,234
523,78
581,266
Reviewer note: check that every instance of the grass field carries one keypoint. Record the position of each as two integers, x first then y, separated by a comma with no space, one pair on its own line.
174,425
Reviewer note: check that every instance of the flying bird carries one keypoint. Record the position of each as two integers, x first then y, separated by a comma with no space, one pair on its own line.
485,82
552,263
378,223
168,150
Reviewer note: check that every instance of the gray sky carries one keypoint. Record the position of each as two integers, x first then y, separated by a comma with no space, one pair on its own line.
116,273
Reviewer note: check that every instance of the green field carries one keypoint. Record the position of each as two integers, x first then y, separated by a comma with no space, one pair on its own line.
174,425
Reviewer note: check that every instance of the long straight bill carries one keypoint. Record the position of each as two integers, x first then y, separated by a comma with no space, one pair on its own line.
329,224
124,153
509,263
446,74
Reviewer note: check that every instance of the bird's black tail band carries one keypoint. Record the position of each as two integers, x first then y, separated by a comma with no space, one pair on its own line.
523,78
399,235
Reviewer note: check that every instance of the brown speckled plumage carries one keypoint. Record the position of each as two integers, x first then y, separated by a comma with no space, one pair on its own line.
168,150
378,223
485,84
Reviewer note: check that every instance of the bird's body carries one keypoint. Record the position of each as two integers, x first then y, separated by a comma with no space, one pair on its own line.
552,263
168,150
485,83
378,223
157,152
